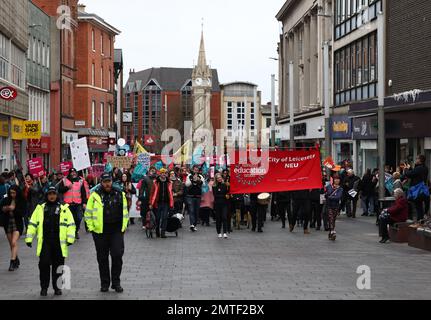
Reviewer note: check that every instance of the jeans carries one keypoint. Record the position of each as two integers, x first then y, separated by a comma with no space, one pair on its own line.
193,205
50,259
221,217
162,216
368,204
109,244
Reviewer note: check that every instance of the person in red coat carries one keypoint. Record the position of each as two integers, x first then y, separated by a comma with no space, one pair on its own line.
399,212
162,200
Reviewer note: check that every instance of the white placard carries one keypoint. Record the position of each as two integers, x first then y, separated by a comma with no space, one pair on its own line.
80,154
427,144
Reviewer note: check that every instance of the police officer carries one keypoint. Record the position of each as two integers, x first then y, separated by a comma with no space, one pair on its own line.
55,228
107,218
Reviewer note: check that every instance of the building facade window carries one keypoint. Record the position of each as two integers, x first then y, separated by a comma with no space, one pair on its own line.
352,14
127,102
152,109
93,40
93,74
136,115
102,114
109,115
187,102
101,77
101,44
356,71
93,113
12,62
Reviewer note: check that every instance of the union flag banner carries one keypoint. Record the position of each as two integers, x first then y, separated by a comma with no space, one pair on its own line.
277,171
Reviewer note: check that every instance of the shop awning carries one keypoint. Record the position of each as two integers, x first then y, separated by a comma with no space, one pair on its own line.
86,132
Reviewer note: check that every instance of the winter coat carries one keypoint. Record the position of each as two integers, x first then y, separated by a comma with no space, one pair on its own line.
400,210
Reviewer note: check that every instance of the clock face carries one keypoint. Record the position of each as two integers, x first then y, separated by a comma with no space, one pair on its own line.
127,117
199,81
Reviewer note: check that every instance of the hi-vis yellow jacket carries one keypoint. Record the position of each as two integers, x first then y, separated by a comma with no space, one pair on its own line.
67,228
94,214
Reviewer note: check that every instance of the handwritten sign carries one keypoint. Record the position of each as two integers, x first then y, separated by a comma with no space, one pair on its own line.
97,170
120,162
80,154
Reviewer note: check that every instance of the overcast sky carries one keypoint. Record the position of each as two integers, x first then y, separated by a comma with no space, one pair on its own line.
240,35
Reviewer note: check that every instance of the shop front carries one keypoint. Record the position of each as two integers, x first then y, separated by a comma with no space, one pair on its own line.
343,147
98,142
40,148
307,132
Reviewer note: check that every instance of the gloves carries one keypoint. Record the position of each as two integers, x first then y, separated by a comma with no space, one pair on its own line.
29,245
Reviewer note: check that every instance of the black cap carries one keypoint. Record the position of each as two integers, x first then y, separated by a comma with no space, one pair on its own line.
106,177
51,189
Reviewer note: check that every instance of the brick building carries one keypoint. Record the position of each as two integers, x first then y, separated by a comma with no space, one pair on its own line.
160,98
95,81
64,26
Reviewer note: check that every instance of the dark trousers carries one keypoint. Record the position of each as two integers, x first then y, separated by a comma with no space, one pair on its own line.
144,210
316,214
221,210
384,223
162,217
325,216
284,207
178,206
76,210
50,259
193,206
420,208
351,206
257,216
205,214
301,209
109,244
332,218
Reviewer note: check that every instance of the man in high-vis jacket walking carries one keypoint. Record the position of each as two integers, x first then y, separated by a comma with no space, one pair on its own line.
107,218
54,226
75,192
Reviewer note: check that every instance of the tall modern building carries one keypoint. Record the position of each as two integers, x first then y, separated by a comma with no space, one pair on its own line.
14,39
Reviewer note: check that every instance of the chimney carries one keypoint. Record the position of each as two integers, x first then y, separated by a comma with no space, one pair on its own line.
81,8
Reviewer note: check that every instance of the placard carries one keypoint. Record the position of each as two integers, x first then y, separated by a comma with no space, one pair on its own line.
120,162
35,167
97,170
80,154
65,167
134,212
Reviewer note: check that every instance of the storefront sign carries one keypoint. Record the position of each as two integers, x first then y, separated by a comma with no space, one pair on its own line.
286,171
17,129
39,146
35,167
98,143
79,123
341,127
4,128
365,128
149,141
8,93
32,130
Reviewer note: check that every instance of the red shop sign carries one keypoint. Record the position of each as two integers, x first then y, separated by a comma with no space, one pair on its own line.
8,93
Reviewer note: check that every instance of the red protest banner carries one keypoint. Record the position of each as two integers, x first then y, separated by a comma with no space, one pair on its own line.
35,167
284,171
65,167
96,170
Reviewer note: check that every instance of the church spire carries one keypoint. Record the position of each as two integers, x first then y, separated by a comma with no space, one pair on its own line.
202,61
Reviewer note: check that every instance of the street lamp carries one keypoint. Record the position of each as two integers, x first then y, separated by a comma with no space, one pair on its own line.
273,106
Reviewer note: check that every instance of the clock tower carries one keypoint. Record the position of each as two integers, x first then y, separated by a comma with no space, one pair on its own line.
202,87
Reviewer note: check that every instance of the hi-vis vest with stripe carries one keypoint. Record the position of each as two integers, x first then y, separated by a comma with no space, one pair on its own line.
74,194
67,228
94,213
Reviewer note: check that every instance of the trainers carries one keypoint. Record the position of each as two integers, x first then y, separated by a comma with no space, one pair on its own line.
118,289
225,236
44,292
195,229
220,236
192,228
58,292
104,289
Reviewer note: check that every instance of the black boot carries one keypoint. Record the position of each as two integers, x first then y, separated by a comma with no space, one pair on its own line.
163,235
12,265
18,263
